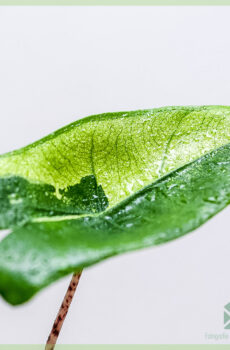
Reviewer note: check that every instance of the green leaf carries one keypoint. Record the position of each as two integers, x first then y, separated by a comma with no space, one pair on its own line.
106,185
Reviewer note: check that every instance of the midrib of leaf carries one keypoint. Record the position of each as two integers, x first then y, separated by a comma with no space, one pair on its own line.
63,217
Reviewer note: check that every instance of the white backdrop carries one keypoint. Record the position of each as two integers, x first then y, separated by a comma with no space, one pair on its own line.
58,64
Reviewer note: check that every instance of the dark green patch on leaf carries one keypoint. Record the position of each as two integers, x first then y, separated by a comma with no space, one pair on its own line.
20,200
87,195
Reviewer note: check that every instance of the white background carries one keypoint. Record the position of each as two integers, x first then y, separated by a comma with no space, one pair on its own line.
58,64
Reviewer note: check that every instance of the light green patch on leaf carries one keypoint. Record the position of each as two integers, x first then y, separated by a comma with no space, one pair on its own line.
115,183
124,151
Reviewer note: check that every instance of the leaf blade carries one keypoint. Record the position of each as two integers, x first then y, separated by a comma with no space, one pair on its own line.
197,191
124,151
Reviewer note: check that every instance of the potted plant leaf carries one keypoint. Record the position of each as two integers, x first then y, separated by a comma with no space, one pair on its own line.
105,185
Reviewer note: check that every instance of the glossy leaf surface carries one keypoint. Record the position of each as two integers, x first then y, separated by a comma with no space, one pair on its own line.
106,185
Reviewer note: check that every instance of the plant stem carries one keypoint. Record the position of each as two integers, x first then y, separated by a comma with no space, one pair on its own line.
52,339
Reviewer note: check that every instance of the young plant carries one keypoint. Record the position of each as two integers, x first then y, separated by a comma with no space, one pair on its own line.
105,185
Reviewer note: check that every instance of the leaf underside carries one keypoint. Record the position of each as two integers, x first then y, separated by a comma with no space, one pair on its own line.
106,185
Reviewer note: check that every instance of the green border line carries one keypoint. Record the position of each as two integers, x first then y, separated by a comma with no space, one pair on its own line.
114,2
119,347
